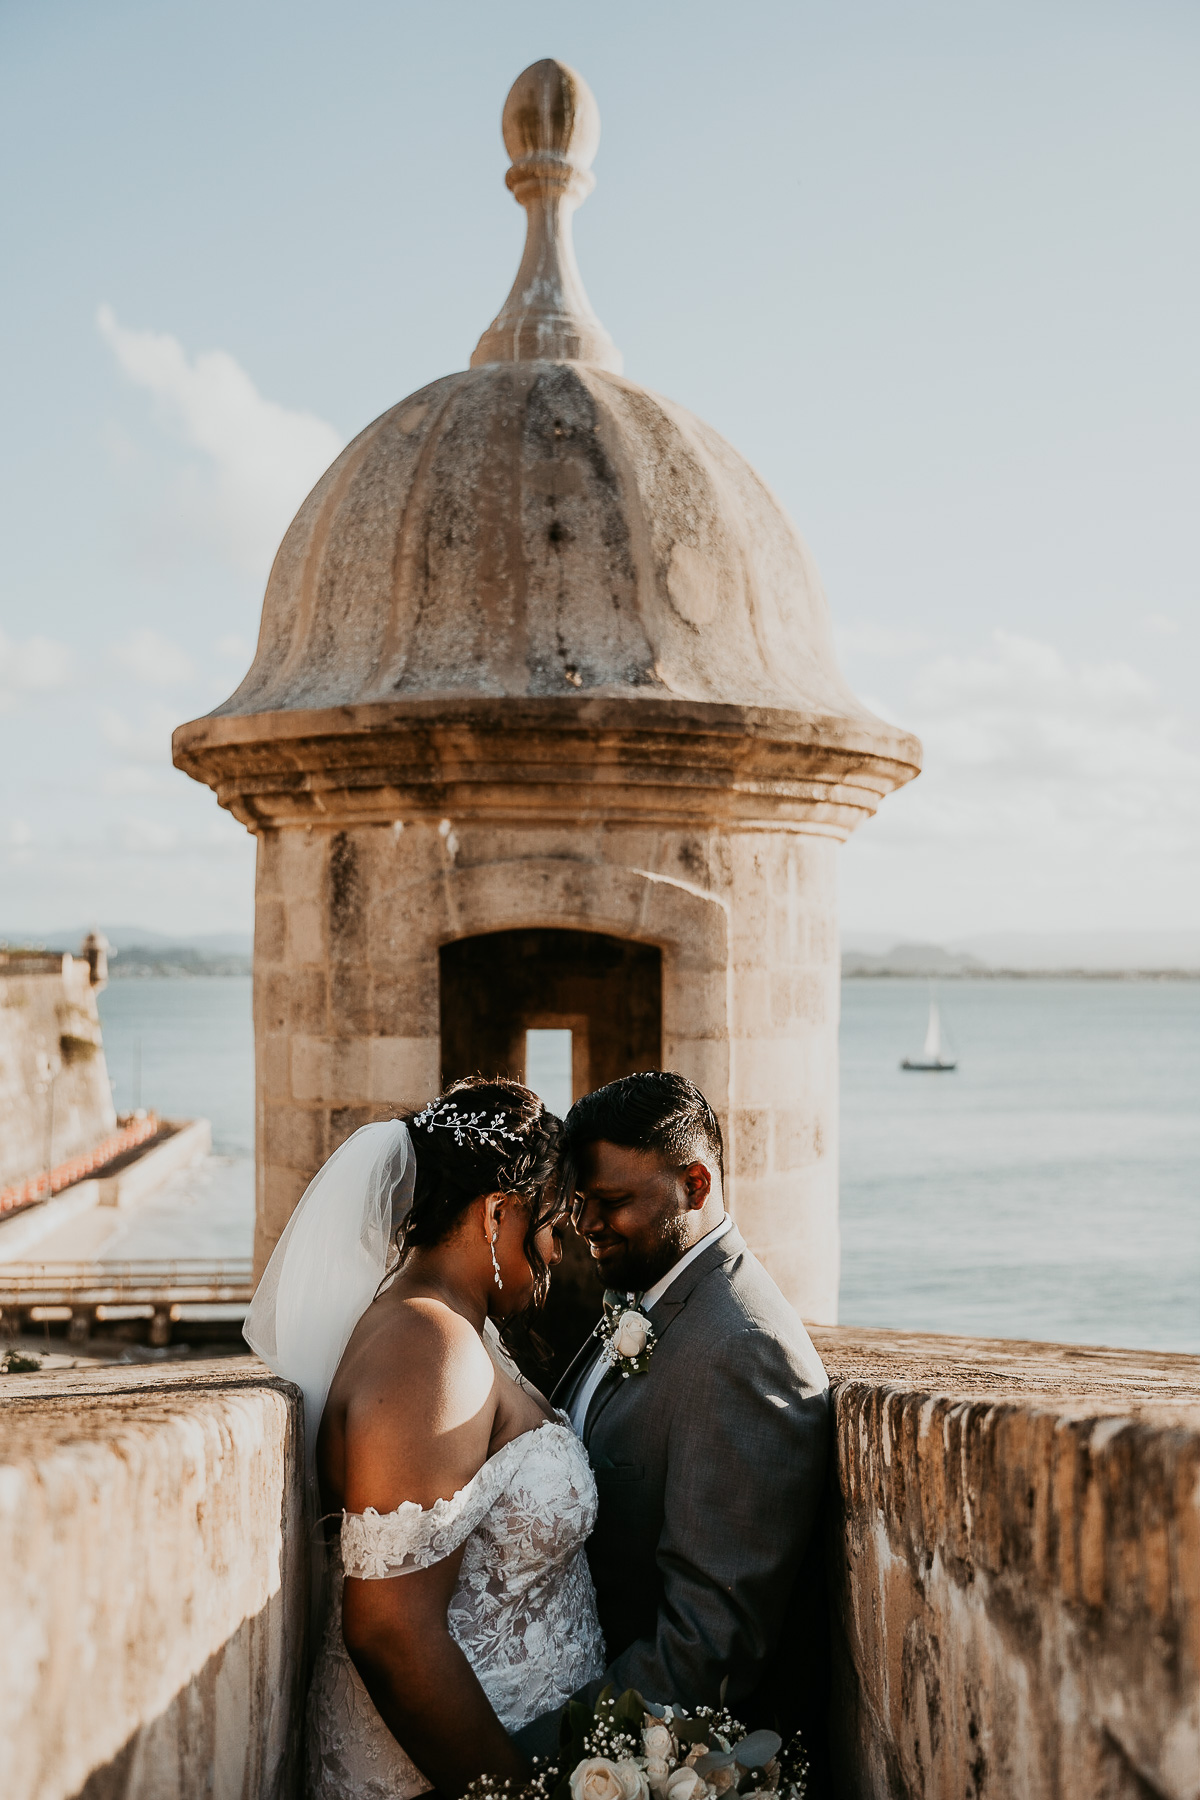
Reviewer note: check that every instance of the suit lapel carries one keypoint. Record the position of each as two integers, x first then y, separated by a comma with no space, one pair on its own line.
662,1315
664,1312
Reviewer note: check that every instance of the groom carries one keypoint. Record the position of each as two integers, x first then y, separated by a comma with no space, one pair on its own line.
710,1460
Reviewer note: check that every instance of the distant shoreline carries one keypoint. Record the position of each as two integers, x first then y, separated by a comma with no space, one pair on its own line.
1021,974
236,968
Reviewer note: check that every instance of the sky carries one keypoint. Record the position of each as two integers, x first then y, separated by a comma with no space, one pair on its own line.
933,268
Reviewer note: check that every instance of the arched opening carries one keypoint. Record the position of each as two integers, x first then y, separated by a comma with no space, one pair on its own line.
564,1012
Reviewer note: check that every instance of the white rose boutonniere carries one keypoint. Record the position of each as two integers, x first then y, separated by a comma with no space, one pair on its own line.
628,1333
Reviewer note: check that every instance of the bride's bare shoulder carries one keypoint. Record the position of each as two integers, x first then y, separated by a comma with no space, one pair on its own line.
416,1400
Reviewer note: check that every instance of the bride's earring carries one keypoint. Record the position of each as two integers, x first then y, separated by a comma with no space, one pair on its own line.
495,1264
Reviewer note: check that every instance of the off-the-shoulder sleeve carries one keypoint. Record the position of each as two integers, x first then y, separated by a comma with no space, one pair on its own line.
376,1546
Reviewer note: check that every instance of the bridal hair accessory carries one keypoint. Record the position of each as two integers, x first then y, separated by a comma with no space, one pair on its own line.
495,1264
630,1749
627,1334
465,1125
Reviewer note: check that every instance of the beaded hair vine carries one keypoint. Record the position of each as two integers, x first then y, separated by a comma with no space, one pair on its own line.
465,1125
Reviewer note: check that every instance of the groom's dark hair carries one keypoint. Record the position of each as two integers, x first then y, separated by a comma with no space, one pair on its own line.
658,1111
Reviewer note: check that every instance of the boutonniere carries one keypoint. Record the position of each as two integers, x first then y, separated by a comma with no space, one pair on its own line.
627,1333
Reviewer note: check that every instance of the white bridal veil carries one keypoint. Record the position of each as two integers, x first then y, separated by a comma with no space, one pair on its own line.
327,1267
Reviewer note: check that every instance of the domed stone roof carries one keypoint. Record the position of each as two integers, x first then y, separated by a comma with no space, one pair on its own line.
538,530
542,528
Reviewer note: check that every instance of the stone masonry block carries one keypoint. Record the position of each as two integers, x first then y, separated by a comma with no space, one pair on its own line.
404,1070
704,1061
310,1080
296,1136
274,1067
405,1001
752,1140
306,933
269,938
695,1005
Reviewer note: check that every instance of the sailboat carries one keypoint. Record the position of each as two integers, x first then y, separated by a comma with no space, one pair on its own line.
931,1057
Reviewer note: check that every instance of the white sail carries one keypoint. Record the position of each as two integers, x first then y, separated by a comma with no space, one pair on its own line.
933,1035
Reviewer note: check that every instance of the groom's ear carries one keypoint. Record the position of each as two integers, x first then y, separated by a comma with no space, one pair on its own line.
697,1184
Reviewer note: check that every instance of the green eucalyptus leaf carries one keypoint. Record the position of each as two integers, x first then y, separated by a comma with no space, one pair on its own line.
715,1759
756,1751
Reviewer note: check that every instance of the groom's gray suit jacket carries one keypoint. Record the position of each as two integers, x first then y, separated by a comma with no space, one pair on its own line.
710,1466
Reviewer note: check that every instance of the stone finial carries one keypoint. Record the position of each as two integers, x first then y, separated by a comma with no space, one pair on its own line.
551,130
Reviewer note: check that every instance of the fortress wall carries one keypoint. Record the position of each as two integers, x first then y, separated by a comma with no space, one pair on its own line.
1013,1536
152,1584
55,1101
1015,1552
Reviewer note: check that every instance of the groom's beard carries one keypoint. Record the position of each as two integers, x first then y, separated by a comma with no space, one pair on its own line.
642,1265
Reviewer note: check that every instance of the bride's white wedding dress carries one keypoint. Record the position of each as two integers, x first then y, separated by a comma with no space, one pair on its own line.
524,1609
523,1612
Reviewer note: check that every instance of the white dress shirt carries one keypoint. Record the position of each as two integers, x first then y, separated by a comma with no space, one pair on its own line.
601,1365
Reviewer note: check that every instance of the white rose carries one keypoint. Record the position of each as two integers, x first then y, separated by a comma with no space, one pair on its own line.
632,1332
634,1782
657,1741
597,1779
658,1771
694,1754
685,1784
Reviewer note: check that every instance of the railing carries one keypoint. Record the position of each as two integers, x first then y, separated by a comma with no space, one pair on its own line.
78,1168
84,1292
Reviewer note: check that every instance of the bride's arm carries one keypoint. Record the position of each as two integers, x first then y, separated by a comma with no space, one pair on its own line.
417,1428
423,1687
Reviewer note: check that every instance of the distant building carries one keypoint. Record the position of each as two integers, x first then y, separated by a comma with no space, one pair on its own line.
545,729
55,1099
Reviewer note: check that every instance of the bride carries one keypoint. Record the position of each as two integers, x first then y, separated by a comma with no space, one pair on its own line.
457,1603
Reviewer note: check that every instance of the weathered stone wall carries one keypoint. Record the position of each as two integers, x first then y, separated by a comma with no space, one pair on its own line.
1013,1538
152,1585
1015,1549
55,1101
347,1015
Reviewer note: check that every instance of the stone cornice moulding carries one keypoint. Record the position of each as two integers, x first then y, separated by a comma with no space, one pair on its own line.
543,760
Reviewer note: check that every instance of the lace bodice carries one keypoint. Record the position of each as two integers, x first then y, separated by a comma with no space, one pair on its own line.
523,1611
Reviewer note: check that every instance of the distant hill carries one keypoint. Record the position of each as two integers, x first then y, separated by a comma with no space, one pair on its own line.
140,952
911,959
1094,951
1029,953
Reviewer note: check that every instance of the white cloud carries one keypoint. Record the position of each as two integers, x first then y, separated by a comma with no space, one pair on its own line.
260,458
152,658
148,741
1055,792
36,666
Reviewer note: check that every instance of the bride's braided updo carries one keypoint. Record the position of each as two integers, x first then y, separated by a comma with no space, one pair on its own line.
487,1137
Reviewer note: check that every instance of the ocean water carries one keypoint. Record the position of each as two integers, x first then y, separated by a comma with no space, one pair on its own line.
1049,1188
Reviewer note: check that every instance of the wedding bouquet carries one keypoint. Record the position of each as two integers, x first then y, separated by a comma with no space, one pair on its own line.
631,1749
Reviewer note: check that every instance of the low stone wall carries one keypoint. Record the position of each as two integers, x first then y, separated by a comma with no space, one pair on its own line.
152,1584
1015,1551
1013,1536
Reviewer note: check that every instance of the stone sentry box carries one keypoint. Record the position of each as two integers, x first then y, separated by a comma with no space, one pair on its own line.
541,653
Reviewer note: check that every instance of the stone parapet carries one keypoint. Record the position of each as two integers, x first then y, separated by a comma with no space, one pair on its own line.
152,1584
1015,1556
